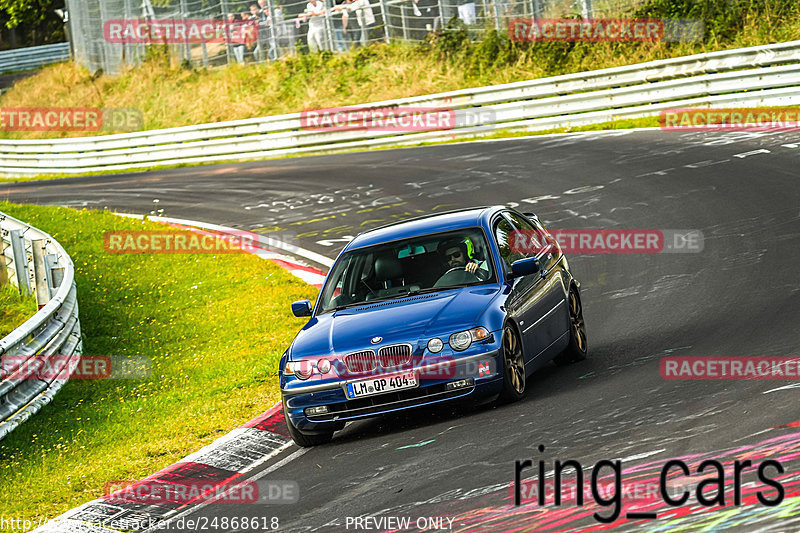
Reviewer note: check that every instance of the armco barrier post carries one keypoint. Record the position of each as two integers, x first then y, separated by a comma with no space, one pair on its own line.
20,261
51,265
3,265
40,273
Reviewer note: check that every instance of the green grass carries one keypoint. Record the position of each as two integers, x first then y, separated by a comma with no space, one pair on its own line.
14,309
213,326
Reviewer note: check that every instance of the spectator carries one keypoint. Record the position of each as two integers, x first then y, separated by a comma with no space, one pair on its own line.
340,27
284,31
315,11
234,31
364,16
262,18
466,12
251,30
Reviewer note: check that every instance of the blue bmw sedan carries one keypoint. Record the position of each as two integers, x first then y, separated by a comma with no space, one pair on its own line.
446,307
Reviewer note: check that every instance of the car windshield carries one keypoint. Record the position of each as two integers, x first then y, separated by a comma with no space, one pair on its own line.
410,266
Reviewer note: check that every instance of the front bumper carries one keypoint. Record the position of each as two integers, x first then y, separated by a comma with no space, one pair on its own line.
485,369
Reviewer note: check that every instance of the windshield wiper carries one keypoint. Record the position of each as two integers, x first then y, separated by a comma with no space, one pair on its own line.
365,302
424,291
395,297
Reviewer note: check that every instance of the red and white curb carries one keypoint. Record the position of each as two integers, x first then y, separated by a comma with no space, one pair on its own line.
223,461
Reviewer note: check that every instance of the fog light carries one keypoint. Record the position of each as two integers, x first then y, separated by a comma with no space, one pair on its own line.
460,384
435,345
318,410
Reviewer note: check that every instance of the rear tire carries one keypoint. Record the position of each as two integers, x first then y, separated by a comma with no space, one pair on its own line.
513,366
302,439
577,348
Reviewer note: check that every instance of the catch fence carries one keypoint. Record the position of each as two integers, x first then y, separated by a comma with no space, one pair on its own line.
283,28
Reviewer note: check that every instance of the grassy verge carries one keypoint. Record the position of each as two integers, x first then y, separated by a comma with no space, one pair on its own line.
169,95
14,309
214,327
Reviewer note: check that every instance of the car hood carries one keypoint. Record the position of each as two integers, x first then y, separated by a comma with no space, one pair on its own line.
402,320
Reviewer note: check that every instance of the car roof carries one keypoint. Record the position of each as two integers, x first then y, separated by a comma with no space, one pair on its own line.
433,223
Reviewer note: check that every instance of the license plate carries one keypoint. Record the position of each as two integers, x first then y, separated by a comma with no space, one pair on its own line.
380,385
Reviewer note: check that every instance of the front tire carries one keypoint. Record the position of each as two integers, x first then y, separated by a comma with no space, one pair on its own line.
577,348
513,366
302,439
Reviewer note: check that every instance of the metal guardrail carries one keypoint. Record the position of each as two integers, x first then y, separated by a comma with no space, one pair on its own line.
50,339
33,57
758,76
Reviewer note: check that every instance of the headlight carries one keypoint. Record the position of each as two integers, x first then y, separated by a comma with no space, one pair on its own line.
301,369
435,345
463,339
460,341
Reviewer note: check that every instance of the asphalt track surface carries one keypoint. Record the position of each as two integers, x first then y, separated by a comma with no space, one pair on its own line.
740,296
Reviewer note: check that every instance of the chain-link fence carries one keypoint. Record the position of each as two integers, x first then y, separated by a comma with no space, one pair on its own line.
108,34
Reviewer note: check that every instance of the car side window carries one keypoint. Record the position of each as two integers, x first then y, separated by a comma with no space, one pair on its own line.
504,234
547,255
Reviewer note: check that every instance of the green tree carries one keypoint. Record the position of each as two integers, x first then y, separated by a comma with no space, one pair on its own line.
32,21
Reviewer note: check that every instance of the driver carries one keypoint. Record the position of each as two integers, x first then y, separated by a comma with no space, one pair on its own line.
454,253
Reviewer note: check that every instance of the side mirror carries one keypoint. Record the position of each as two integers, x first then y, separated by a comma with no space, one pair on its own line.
301,308
525,267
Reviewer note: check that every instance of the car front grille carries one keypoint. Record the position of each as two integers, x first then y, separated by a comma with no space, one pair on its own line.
360,362
394,355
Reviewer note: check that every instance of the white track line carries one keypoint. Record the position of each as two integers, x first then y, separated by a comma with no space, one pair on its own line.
267,241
